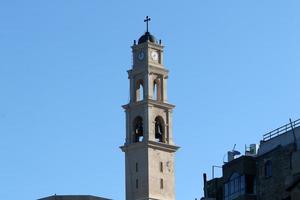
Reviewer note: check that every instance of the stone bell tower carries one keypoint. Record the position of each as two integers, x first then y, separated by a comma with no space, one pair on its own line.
149,147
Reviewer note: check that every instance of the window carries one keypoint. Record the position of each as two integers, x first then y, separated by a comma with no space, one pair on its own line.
154,90
238,185
161,183
161,166
159,129
157,90
268,169
243,183
137,183
234,187
138,134
136,167
139,90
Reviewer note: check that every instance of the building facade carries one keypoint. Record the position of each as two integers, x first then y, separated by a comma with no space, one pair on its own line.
149,147
270,172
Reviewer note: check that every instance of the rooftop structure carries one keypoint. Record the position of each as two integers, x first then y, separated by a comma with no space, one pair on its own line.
268,171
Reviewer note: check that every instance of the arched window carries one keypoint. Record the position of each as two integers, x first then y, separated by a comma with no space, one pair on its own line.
156,90
138,134
139,90
159,129
268,169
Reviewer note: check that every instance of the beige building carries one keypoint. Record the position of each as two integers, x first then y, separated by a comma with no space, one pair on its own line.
149,147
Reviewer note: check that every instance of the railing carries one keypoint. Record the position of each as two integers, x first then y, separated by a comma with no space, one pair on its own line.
281,130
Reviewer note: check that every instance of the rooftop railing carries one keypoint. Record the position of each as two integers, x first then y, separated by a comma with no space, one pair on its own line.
281,130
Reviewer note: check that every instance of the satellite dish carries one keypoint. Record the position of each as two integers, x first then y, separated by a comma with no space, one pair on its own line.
236,153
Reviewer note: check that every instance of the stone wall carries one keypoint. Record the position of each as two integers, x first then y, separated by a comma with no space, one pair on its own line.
274,186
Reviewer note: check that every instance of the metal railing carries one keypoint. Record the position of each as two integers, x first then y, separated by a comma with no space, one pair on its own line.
281,130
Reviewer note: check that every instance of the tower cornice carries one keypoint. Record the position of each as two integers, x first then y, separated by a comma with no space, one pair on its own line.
149,102
151,69
150,144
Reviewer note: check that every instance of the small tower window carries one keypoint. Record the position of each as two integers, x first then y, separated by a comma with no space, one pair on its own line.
137,183
159,129
161,167
138,134
139,90
136,167
161,183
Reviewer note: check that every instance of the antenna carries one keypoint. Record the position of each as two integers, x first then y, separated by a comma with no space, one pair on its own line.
231,154
233,147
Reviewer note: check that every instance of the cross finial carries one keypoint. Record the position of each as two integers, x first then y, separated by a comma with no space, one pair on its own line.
147,21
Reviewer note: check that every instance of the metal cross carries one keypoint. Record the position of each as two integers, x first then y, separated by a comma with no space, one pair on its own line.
147,20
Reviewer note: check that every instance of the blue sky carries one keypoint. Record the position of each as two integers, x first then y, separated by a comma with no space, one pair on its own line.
234,75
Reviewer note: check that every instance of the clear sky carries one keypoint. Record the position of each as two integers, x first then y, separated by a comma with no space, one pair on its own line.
234,75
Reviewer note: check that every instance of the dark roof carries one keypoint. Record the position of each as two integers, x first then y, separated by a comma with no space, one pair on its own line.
147,37
73,197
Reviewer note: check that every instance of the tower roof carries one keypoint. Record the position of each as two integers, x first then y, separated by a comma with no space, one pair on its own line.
147,37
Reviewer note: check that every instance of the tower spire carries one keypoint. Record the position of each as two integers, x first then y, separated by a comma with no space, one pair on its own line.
147,21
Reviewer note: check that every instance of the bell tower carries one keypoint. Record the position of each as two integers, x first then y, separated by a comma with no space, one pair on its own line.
149,147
